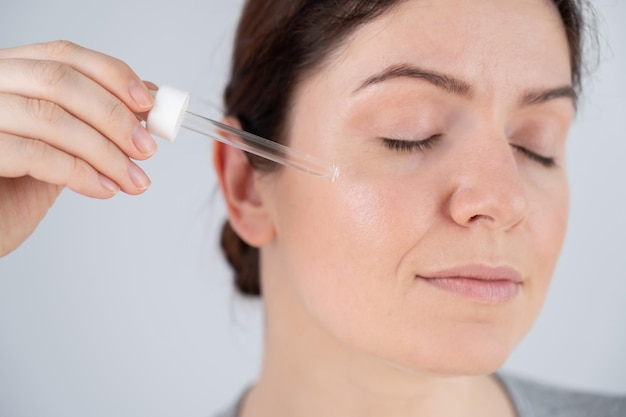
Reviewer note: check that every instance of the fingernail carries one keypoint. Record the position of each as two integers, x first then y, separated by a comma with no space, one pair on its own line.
108,184
140,94
138,177
143,141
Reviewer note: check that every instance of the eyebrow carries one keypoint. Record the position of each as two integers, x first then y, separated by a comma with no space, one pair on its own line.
541,96
446,82
459,87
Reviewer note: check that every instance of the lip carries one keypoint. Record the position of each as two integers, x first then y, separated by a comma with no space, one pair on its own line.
482,283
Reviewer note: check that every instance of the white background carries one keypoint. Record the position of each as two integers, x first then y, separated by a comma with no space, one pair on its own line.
126,308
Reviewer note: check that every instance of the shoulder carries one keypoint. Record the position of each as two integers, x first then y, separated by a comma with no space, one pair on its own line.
535,399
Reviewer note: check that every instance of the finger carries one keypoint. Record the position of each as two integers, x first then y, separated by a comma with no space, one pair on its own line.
22,156
59,83
153,89
113,74
50,123
151,86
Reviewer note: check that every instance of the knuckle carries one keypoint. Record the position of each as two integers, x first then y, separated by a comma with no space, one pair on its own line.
46,111
53,73
34,151
120,66
59,48
80,170
115,111
112,153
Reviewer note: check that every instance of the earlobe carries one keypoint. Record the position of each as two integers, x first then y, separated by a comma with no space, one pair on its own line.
247,212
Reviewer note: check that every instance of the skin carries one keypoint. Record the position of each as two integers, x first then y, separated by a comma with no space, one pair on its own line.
350,329
51,94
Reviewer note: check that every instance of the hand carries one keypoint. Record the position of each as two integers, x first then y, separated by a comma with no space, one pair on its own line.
67,119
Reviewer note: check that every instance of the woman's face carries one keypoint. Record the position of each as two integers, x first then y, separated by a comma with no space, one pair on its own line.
432,254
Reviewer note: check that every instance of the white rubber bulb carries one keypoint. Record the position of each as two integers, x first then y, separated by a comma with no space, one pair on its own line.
166,116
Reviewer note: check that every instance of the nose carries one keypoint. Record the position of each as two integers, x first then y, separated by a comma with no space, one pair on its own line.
489,190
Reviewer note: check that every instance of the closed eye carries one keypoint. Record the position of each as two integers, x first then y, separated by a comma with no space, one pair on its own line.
426,144
410,145
543,160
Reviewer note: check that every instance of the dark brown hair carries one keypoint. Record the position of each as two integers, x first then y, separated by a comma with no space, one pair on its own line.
279,43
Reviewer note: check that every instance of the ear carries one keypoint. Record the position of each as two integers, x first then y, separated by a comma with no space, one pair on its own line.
246,212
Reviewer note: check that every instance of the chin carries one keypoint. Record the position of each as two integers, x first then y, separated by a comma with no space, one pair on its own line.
472,353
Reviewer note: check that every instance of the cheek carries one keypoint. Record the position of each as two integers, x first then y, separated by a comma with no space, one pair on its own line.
544,235
341,259
333,241
548,225
342,250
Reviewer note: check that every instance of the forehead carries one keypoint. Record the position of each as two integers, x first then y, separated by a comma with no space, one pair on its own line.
494,44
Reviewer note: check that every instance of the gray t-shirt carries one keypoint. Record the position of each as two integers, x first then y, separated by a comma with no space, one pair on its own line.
533,399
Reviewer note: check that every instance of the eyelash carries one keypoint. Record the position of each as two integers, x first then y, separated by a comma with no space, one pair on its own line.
410,145
426,144
542,160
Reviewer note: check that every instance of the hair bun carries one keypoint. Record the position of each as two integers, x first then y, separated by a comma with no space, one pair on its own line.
244,259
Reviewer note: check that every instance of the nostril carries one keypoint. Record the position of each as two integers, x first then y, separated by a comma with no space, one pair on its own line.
490,204
475,218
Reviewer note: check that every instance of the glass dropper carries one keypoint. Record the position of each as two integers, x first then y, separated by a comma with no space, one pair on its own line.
169,113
